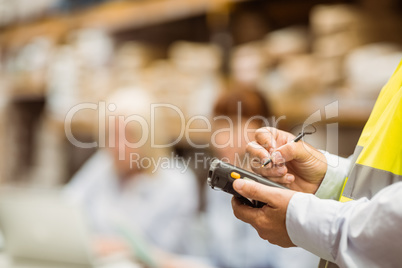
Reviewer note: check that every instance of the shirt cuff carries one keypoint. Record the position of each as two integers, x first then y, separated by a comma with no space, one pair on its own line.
308,223
337,169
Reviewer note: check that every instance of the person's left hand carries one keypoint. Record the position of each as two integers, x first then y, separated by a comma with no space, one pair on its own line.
270,220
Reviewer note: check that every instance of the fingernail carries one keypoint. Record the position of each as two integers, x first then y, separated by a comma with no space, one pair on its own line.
238,184
280,165
281,170
289,178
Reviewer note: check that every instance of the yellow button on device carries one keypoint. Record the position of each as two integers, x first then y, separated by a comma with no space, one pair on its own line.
235,175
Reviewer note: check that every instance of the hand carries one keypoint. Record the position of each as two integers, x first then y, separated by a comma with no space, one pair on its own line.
170,260
108,245
305,166
270,220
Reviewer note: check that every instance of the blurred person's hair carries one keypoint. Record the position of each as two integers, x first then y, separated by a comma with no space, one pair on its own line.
137,102
252,103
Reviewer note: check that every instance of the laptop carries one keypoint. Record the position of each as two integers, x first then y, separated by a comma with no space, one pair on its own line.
42,227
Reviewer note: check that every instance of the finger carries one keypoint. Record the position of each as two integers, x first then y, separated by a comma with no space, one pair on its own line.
257,191
244,212
293,151
266,137
284,180
269,170
270,137
258,155
257,152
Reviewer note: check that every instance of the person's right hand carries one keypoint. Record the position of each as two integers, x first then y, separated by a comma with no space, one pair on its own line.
296,165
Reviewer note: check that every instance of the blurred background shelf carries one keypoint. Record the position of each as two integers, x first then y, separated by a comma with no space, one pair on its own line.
125,15
112,16
300,55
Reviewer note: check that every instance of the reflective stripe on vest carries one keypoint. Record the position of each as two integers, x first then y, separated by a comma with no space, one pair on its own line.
377,159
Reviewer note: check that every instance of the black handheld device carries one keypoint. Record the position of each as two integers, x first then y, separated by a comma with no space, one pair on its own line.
221,175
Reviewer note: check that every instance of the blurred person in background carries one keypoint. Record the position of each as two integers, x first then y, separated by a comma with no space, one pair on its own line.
126,193
232,243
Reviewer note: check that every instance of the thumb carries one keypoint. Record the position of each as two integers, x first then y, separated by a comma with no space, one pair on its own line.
293,151
256,191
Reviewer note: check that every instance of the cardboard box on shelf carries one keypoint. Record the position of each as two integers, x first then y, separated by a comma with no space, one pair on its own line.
330,19
286,42
190,92
301,73
129,61
199,58
337,44
197,68
248,62
188,82
79,72
180,95
330,71
295,77
28,67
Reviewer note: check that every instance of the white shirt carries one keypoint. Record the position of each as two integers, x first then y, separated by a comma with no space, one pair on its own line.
234,244
362,233
159,207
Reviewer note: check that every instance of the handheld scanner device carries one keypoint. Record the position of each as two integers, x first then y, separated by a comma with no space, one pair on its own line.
221,176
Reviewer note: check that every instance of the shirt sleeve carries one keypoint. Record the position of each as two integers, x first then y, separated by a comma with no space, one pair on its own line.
97,169
337,170
362,233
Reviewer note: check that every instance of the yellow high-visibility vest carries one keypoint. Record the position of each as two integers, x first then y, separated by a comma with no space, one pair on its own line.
377,160
378,154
